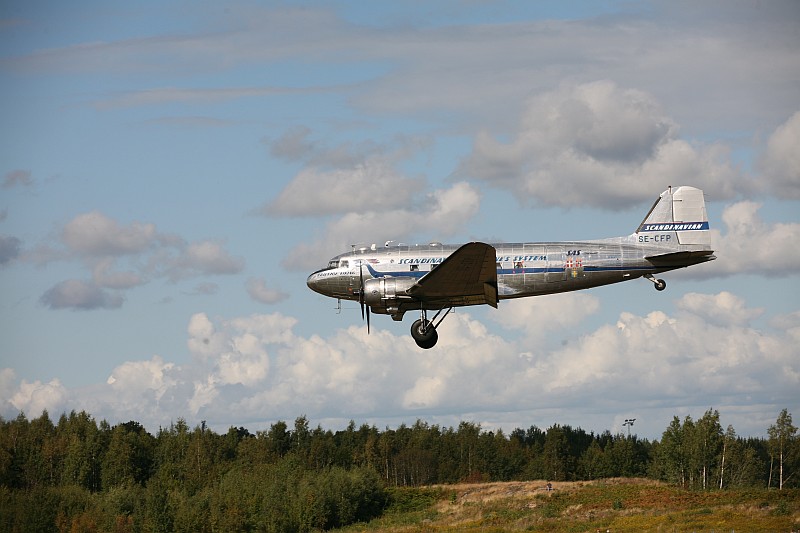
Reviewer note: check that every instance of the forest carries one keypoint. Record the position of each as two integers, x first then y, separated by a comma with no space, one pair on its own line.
80,475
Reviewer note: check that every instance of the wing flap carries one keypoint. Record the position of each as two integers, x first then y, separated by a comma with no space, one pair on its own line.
467,277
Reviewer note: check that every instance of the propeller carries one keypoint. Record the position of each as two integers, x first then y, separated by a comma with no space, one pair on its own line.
361,296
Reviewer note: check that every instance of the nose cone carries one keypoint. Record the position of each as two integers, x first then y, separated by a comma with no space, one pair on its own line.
314,284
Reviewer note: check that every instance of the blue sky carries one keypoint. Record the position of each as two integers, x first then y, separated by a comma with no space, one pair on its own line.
171,172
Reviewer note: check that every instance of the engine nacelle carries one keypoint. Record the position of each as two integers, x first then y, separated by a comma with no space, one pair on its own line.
384,293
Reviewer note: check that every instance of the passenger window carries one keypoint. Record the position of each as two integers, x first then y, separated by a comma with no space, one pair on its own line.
414,268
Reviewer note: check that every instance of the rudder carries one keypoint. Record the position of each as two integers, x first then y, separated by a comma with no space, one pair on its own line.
680,212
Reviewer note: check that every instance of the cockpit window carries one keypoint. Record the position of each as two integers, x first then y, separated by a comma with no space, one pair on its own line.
333,264
344,264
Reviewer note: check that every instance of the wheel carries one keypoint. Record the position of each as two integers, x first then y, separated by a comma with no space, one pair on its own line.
425,335
660,284
430,343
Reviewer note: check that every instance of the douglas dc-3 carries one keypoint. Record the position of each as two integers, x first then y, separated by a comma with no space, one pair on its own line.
395,279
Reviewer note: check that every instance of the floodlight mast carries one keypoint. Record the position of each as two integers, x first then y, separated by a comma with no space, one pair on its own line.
629,422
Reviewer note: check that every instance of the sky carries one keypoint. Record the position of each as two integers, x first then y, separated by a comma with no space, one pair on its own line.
171,172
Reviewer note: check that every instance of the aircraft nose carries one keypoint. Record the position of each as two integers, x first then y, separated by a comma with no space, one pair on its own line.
313,283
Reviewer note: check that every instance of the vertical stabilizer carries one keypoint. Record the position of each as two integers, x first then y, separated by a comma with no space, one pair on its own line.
680,214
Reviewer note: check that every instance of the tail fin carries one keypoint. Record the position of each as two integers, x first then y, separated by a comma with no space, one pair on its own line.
680,214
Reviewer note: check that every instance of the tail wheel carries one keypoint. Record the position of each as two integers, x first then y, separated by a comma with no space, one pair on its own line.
660,284
424,334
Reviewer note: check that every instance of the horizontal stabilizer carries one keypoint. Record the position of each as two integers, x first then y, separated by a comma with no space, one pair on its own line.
680,259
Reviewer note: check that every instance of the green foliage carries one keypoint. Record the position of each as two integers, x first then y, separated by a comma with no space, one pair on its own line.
84,476
410,499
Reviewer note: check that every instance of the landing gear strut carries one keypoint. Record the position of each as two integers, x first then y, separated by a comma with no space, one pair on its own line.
659,284
424,330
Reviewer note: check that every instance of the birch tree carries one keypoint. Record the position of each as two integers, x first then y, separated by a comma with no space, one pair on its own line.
782,438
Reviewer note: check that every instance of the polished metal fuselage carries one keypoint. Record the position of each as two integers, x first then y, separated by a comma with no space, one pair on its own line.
523,269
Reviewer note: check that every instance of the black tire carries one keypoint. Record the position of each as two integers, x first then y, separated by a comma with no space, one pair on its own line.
660,284
430,343
424,334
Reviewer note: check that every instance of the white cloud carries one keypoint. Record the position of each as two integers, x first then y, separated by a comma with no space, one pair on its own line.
248,370
8,386
153,389
538,317
444,210
790,323
719,309
426,392
95,234
780,162
123,257
258,291
203,258
135,378
104,275
350,176
372,184
598,145
33,398
752,246
669,50
80,295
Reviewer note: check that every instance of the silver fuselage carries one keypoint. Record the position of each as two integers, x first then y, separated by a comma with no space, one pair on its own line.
523,269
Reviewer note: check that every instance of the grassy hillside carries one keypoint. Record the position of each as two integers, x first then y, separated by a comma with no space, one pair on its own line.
612,504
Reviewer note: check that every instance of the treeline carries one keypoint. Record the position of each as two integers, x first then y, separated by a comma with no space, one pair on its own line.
78,475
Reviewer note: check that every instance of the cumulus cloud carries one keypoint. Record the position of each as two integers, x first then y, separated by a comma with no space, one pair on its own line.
317,192
121,257
343,178
749,243
599,145
537,317
446,210
251,369
80,295
96,234
293,145
139,377
780,162
790,323
258,291
203,258
35,397
104,275
719,309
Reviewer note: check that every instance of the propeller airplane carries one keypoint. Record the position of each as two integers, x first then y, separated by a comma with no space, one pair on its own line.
438,277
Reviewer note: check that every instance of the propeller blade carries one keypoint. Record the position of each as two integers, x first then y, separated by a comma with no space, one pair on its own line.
361,297
361,289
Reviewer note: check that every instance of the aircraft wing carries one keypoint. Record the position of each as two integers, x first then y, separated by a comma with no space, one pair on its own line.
467,277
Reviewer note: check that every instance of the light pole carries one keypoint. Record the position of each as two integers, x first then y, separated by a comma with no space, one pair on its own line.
629,422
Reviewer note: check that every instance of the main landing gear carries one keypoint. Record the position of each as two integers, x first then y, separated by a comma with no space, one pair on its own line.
424,331
659,284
